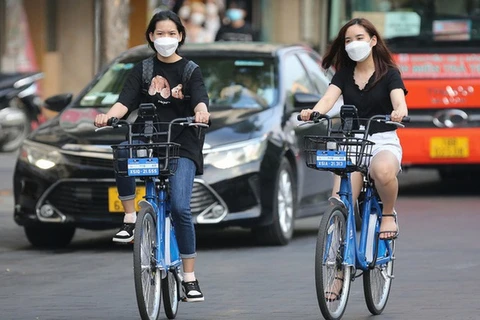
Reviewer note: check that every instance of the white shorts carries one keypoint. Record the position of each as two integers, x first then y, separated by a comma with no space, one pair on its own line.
388,141
385,141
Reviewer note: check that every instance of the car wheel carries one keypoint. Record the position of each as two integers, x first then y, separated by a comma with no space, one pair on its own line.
47,236
280,231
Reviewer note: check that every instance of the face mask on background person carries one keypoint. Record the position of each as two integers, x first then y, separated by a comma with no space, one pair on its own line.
166,46
184,12
234,14
197,18
358,50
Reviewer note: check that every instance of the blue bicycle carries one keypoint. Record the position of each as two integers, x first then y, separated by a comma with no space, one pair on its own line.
156,257
340,251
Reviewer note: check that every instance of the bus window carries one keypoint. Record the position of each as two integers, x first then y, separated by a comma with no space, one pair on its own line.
414,23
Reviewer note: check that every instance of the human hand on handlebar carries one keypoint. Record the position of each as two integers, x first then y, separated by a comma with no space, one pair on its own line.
101,120
397,115
305,114
202,116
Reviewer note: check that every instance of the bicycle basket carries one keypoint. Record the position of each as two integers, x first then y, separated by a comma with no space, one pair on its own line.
337,153
145,160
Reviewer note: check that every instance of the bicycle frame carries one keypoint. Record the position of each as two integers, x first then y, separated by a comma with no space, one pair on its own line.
363,253
167,252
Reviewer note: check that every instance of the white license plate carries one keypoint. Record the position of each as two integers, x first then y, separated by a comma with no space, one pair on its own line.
329,159
138,167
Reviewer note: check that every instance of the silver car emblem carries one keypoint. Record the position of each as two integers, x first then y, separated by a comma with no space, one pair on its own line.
450,118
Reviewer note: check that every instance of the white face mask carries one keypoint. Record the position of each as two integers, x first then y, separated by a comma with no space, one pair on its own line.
197,18
166,46
184,12
358,50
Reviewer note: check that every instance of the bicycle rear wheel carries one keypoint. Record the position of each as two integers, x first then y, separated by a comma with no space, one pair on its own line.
377,282
332,293
145,273
171,293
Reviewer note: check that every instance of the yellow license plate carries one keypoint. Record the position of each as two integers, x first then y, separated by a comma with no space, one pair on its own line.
115,205
449,147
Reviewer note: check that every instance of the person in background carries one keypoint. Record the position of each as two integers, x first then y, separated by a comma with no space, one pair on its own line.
195,24
237,29
212,19
184,11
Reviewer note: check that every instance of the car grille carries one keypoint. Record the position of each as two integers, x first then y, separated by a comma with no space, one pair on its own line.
80,197
436,118
89,161
91,197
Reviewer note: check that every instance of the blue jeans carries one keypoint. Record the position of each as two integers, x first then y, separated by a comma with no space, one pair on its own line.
181,186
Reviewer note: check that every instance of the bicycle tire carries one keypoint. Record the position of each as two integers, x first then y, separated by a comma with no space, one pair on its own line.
171,293
377,283
146,276
329,256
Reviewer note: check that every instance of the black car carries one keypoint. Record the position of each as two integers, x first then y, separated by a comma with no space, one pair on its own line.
255,174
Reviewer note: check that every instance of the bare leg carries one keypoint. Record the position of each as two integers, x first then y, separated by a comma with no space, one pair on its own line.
188,264
384,169
129,205
357,181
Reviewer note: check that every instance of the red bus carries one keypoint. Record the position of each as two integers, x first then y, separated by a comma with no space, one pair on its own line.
437,47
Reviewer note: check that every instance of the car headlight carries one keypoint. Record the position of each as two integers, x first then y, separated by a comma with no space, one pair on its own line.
236,154
40,155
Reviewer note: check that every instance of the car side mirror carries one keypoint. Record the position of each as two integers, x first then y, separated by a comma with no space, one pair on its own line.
303,100
58,102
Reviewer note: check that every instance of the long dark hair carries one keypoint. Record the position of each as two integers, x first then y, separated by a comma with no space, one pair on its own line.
161,16
337,57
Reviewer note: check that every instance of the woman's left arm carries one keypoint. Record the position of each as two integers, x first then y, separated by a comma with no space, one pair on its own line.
399,104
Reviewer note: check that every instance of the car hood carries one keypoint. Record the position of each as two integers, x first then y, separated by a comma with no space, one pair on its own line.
75,126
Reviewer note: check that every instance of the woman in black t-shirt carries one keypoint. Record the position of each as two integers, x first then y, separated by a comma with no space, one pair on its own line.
367,77
165,33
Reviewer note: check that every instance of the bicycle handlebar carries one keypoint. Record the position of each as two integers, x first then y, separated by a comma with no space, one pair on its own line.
315,117
114,122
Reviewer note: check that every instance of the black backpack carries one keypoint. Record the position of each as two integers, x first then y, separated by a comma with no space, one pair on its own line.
147,74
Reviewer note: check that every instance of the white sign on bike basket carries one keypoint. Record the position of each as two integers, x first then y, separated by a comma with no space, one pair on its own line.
331,159
143,167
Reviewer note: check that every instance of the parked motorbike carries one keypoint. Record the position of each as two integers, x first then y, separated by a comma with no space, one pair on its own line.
19,108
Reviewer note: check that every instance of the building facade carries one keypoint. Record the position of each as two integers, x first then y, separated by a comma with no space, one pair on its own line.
70,40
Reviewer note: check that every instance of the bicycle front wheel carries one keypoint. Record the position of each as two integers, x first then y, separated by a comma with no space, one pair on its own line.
171,294
377,283
332,277
146,275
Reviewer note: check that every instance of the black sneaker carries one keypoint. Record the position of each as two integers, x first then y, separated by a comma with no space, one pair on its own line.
192,291
125,234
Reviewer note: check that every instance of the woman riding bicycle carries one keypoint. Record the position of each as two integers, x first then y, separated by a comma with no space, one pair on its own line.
164,34
368,78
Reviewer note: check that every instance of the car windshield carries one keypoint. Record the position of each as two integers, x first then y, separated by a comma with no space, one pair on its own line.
416,23
230,83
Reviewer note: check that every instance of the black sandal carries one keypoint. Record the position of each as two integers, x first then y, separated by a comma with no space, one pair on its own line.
395,233
336,295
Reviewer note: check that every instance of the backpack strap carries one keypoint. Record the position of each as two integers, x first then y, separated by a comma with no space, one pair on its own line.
147,71
187,73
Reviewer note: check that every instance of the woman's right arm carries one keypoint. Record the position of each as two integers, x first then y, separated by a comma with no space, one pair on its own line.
325,104
130,96
118,110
